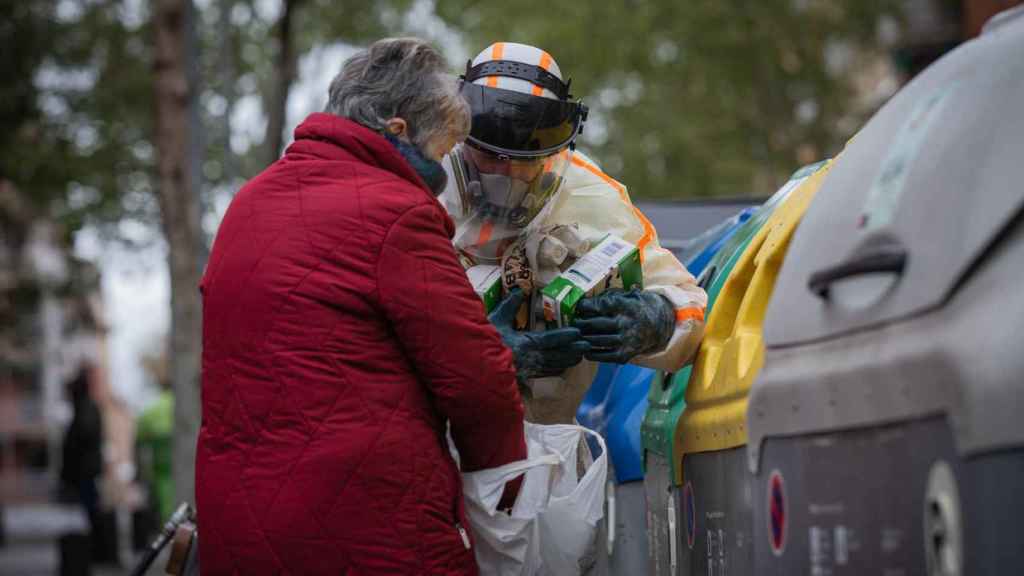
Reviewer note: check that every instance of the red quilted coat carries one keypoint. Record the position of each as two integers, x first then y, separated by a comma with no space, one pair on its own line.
339,336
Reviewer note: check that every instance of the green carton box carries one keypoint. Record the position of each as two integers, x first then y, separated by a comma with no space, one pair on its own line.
613,263
486,281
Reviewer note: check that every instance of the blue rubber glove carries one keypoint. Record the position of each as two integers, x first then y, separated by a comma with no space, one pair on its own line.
537,354
621,325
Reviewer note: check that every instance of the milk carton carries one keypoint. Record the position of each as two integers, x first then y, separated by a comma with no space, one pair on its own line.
613,263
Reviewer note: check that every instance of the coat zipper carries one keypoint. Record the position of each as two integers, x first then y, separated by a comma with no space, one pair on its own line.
464,534
459,512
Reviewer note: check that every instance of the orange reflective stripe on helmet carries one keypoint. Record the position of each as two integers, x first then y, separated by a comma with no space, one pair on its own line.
497,52
545,63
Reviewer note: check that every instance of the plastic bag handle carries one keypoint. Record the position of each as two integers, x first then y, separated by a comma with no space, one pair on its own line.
512,469
509,471
591,473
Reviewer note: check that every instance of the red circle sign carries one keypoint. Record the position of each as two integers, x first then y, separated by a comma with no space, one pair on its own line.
691,514
776,512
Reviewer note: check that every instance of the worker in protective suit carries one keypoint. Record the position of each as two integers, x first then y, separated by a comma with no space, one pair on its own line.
522,197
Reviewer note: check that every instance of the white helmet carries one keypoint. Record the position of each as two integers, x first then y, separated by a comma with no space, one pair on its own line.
524,126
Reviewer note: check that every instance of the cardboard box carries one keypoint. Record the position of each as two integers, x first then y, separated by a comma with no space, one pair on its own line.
613,263
486,281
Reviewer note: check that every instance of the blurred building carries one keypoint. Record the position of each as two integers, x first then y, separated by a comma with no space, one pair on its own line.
52,324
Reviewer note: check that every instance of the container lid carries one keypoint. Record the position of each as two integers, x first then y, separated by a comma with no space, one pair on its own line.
914,200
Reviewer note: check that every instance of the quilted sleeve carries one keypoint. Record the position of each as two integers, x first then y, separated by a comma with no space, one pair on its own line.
457,354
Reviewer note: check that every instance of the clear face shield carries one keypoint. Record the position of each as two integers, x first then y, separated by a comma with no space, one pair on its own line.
499,197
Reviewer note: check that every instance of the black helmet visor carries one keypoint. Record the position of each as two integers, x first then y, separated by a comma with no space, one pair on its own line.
520,125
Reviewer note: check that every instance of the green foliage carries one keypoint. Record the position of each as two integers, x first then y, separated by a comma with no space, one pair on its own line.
694,98
77,117
76,120
255,45
721,97
353,22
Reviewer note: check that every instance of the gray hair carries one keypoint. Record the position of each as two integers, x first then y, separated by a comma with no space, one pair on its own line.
404,78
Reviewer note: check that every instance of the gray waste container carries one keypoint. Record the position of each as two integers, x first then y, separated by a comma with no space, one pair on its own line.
885,430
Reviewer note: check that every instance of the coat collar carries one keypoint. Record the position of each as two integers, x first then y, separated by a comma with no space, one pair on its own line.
336,138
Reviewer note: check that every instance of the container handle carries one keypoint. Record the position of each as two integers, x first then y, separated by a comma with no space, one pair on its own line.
886,261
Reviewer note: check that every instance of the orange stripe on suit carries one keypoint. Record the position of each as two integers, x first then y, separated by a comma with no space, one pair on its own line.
648,227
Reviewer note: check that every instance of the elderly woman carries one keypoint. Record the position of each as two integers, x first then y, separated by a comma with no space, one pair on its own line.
342,338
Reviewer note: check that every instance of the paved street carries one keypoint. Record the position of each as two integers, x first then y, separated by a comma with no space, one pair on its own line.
31,545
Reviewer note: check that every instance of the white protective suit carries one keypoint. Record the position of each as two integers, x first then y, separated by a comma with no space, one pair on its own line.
599,205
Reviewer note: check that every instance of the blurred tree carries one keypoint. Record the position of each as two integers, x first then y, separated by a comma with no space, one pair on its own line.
80,136
305,24
285,63
101,121
722,97
174,89
74,109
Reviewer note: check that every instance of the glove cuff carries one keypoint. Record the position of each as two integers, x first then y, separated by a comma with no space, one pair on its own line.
664,320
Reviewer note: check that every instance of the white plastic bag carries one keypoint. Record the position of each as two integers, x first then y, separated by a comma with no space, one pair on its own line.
553,524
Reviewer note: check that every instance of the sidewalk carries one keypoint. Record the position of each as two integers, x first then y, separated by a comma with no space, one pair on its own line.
31,547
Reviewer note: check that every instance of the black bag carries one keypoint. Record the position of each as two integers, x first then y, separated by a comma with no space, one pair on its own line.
75,554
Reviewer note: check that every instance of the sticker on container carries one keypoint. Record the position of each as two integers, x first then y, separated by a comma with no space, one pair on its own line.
888,186
776,513
691,514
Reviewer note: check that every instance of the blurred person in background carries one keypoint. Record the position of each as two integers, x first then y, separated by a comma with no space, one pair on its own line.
153,437
82,453
341,337
524,198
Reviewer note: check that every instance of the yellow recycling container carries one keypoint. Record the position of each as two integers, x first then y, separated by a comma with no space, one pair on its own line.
715,511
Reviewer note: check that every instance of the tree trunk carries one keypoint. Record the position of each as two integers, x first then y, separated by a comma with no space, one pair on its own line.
227,78
179,209
284,74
